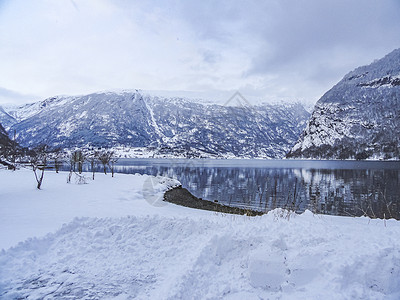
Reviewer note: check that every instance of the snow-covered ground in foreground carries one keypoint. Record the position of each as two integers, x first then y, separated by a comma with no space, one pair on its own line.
122,247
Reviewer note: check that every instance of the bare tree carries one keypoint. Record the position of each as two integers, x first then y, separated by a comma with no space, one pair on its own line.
93,158
76,161
71,168
104,158
79,159
38,162
14,148
113,160
57,159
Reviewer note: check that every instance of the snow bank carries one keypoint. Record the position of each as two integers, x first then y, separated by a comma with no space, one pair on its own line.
172,252
27,212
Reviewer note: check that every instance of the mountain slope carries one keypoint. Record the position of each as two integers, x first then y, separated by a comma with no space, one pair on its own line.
8,149
4,139
359,117
166,126
6,119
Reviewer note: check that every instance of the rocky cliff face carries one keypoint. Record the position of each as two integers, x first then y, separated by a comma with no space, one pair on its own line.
358,118
170,126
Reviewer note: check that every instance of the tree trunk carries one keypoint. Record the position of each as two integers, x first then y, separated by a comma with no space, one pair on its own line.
40,179
92,165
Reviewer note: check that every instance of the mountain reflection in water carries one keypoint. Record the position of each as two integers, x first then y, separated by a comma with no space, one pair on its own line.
345,188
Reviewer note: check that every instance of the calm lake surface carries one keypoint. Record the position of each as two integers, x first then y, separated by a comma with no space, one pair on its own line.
346,188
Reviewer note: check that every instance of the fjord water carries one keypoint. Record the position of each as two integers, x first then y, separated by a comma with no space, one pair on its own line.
346,188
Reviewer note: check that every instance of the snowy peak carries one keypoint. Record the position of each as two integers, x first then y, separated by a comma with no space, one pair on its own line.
359,117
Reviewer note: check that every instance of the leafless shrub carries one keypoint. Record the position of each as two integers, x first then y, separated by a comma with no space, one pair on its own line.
57,159
105,158
38,161
76,161
113,160
93,158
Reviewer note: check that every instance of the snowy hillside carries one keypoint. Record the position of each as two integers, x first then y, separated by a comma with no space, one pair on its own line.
122,247
164,126
359,117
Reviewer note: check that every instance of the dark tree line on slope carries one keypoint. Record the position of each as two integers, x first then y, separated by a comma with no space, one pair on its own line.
10,151
351,149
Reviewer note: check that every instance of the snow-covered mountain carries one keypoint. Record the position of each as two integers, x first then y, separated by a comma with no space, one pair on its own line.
5,119
165,126
359,117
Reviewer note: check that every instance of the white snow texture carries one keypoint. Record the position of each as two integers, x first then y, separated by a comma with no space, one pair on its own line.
122,247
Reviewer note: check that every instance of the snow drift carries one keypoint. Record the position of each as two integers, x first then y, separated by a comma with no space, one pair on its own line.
122,247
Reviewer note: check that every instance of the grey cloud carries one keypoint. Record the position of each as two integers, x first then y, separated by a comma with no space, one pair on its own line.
8,96
211,57
318,40
281,48
306,30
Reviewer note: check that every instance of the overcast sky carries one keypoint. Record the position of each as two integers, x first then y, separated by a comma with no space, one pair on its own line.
267,49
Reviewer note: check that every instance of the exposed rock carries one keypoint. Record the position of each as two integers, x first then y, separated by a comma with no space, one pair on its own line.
182,196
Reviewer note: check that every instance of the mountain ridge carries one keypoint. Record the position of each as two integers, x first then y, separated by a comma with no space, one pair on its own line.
167,126
358,118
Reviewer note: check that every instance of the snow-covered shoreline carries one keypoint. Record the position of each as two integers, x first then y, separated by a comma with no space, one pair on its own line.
125,245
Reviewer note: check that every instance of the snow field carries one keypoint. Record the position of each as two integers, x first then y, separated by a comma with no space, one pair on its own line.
127,248
27,212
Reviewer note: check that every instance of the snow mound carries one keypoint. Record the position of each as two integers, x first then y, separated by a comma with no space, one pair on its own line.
154,188
217,257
